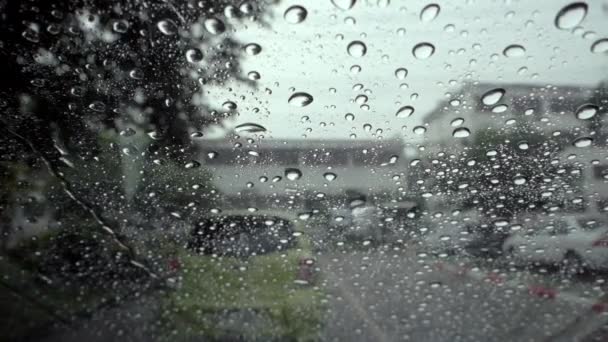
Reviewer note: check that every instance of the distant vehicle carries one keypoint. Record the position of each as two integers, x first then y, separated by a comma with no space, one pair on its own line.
244,277
565,244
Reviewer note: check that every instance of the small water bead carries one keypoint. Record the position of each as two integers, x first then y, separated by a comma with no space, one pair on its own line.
419,130
300,99
293,174
423,50
330,176
252,49
586,111
583,142
214,25
461,132
514,51
600,46
357,48
492,97
295,14
401,73
167,27
194,55
405,112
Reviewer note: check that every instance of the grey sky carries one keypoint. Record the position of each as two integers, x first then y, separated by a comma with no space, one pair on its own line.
312,58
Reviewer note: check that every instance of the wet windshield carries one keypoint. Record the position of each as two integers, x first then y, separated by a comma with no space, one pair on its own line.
281,170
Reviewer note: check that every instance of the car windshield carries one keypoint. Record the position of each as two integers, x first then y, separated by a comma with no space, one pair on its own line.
288,170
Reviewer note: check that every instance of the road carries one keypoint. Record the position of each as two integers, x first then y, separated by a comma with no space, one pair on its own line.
387,295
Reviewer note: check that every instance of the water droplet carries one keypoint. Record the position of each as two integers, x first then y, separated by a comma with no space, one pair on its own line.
167,27
120,26
429,13
600,46
192,164
571,15
97,106
194,55
304,216
405,112
423,50
229,105
419,130
253,75
519,180
401,73
461,132
295,14
514,50
300,99
214,25
361,99
343,4
250,128
253,49
136,74
349,116
293,174
457,122
492,97
31,35
330,176
500,108
523,145
357,49
583,142
586,111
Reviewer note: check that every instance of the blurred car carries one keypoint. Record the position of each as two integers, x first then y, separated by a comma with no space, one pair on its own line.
245,277
565,244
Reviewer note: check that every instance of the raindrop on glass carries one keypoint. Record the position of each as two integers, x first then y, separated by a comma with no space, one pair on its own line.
357,49
429,13
253,49
583,142
570,16
600,46
194,55
401,73
300,99
405,112
423,50
214,25
293,174
461,132
492,97
330,176
167,27
586,111
249,128
514,51
295,14
343,4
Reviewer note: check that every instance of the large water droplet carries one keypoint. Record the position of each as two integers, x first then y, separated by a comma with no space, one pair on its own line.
600,46
194,55
300,99
214,25
253,49
586,111
330,176
461,132
429,13
423,50
357,49
401,73
491,97
167,27
97,106
405,112
229,105
570,16
250,128
343,4
514,50
583,142
419,130
120,26
295,14
293,174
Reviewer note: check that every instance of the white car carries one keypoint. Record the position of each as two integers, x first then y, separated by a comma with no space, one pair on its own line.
566,244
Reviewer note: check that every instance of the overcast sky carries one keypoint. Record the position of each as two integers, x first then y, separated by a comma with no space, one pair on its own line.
469,39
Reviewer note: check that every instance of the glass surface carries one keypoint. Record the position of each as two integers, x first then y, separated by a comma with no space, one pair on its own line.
281,170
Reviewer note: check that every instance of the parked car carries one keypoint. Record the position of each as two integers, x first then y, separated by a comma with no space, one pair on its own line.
245,277
565,244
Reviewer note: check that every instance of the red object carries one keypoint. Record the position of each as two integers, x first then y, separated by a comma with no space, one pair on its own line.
174,264
541,291
601,242
599,307
305,271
